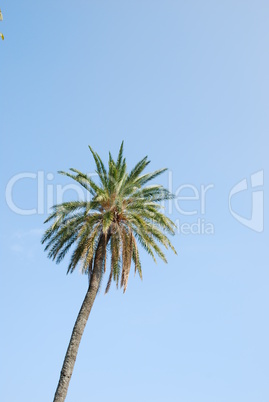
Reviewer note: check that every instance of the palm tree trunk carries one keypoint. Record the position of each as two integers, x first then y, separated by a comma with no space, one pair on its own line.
80,324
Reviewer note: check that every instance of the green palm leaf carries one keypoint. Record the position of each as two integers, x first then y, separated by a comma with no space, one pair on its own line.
123,207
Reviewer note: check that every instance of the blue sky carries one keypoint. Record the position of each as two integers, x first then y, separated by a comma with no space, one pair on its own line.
185,83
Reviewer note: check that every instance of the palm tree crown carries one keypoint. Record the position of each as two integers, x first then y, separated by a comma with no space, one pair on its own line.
123,211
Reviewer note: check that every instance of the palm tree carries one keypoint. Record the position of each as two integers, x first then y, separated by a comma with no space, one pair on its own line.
121,213
1,19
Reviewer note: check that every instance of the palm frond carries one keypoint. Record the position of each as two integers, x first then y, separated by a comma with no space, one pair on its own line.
123,213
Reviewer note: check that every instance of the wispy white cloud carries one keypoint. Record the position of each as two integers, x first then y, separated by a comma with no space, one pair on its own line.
25,242
35,232
17,248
